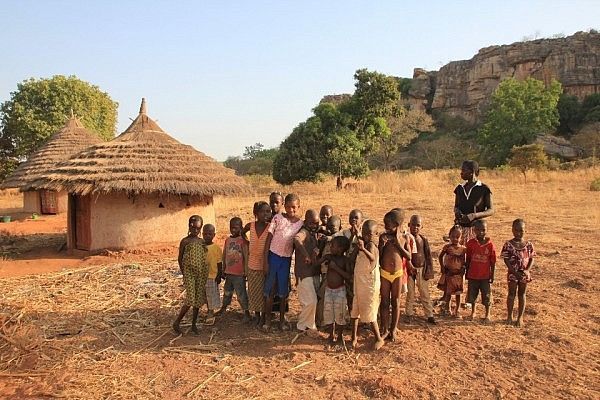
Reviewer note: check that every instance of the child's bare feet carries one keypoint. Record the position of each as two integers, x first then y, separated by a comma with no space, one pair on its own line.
518,323
220,311
395,335
176,327
267,327
469,318
509,321
486,321
195,330
384,334
284,326
354,343
378,344
456,316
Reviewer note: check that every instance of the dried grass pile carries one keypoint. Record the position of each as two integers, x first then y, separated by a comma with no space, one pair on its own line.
79,334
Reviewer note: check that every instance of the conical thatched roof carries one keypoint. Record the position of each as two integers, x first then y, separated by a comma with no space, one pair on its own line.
143,159
71,139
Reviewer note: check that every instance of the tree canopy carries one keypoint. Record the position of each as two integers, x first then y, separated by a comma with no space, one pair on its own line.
256,160
519,111
339,137
39,108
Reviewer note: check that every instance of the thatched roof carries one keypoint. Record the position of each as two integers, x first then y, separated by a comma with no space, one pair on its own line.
71,139
143,159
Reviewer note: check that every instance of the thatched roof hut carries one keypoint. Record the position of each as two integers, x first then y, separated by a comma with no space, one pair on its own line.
71,139
144,175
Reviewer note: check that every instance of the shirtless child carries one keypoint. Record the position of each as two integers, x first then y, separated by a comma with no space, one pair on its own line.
335,302
395,255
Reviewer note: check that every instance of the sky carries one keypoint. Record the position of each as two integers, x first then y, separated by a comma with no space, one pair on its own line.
222,75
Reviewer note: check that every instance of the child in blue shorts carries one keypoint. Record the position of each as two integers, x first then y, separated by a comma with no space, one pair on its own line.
278,258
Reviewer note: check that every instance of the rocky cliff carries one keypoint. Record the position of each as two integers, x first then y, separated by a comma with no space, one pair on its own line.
464,88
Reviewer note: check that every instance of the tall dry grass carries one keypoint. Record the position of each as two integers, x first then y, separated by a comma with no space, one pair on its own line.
548,200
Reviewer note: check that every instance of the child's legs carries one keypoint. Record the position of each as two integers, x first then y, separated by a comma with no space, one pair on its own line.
472,293
228,289
239,285
486,296
307,296
410,296
457,304
384,307
522,292
396,287
423,286
354,329
510,299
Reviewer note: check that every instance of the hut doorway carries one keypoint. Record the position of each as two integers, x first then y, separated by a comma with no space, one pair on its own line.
79,232
49,201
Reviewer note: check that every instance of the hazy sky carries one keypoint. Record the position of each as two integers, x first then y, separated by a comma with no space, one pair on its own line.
221,75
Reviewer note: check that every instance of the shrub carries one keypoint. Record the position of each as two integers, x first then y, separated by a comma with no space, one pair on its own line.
528,157
595,185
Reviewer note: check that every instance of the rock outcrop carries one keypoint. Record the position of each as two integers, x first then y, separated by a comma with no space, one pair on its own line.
464,88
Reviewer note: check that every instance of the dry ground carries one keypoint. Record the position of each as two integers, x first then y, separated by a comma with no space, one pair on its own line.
102,331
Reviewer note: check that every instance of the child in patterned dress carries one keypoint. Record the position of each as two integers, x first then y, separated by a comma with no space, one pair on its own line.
452,260
518,256
193,266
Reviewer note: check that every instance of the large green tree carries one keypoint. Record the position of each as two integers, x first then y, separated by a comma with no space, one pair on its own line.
39,108
340,136
519,111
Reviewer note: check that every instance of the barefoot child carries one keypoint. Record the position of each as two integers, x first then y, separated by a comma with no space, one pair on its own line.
278,258
395,255
366,285
481,264
307,271
518,256
423,264
214,258
235,263
259,231
193,266
335,308
452,260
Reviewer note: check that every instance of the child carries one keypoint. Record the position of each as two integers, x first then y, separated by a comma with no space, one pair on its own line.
334,227
481,264
259,231
324,215
518,256
335,307
423,264
355,219
307,271
215,270
366,285
395,258
235,263
452,260
193,266
278,258
275,202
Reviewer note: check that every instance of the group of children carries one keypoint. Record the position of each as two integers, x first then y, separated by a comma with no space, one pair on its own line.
341,273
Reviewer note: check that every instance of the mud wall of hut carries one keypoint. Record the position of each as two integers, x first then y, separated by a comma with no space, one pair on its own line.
118,221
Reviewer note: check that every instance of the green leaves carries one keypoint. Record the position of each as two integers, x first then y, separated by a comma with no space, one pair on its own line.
519,111
39,108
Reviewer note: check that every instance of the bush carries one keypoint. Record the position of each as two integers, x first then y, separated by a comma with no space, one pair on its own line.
595,185
528,157
588,138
